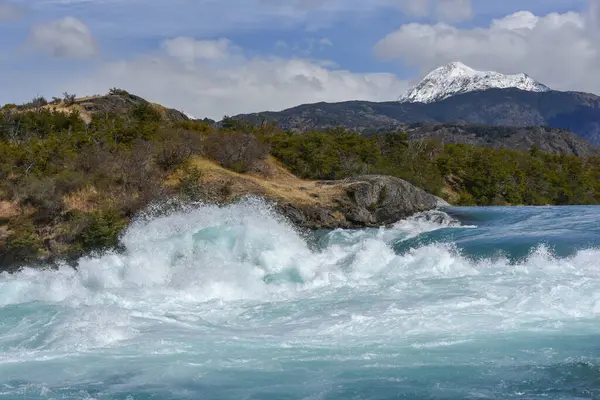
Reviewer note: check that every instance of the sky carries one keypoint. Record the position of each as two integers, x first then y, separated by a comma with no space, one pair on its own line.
211,58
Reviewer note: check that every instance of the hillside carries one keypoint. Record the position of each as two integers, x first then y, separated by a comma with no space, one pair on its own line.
573,111
116,102
71,182
548,140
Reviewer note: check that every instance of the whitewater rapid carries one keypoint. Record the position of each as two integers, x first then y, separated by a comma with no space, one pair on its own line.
233,302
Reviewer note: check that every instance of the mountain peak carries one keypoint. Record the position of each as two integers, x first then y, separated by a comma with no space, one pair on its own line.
458,66
457,78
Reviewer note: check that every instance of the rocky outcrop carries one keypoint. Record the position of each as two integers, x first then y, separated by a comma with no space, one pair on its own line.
124,103
364,201
121,103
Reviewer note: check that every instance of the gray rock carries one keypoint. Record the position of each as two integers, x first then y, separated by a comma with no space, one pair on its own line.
364,201
387,199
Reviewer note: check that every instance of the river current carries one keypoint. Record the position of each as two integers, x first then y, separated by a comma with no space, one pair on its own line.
234,303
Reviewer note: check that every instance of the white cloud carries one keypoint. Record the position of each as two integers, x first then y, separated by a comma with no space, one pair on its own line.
189,49
122,19
325,42
593,17
65,38
236,84
560,50
305,47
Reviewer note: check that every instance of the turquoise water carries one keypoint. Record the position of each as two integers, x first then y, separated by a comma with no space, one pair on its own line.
232,303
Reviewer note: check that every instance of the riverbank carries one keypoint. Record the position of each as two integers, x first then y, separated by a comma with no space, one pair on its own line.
75,173
359,202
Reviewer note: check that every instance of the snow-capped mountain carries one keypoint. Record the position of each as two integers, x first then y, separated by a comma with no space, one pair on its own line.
190,116
457,78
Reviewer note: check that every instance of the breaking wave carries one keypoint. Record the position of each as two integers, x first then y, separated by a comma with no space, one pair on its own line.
232,284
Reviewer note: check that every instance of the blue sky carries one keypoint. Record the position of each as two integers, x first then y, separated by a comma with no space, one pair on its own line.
215,57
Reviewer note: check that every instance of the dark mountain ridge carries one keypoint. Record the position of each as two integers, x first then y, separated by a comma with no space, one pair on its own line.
546,139
574,111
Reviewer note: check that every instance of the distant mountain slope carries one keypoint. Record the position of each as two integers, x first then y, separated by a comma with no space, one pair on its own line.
548,140
457,78
574,111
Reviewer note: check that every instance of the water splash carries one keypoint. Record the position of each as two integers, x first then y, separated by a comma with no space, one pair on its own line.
208,289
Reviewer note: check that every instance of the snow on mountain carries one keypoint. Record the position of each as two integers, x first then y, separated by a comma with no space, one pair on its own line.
190,116
457,78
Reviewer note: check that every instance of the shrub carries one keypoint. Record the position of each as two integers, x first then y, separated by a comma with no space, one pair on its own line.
196,126
145,112
42,194
38,102
100,230
172,155
190,187
69,181
69,99
175,148
236,125
23,245
335,154
238,152
118,92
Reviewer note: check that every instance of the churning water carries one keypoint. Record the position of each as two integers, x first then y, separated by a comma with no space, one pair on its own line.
233,303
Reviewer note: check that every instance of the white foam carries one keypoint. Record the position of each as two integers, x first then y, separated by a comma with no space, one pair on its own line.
207,268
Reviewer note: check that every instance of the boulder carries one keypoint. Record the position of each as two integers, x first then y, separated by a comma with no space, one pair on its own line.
364,201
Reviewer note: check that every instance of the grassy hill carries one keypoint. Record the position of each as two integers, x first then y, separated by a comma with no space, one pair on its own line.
73,175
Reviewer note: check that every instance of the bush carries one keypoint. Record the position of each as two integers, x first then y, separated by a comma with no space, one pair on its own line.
42,194
196,126
69,99
235,151
175,148
22,246
191,187
69,181
171,155
118,92
145,112
335,154
38,102
100,230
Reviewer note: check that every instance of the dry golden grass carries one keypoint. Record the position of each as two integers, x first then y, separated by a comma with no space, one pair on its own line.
274,182
161,109
78,106
9,209
85,200
86,116
448,192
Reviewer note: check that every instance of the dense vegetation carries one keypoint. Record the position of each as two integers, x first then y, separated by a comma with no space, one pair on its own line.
68,187
476,176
